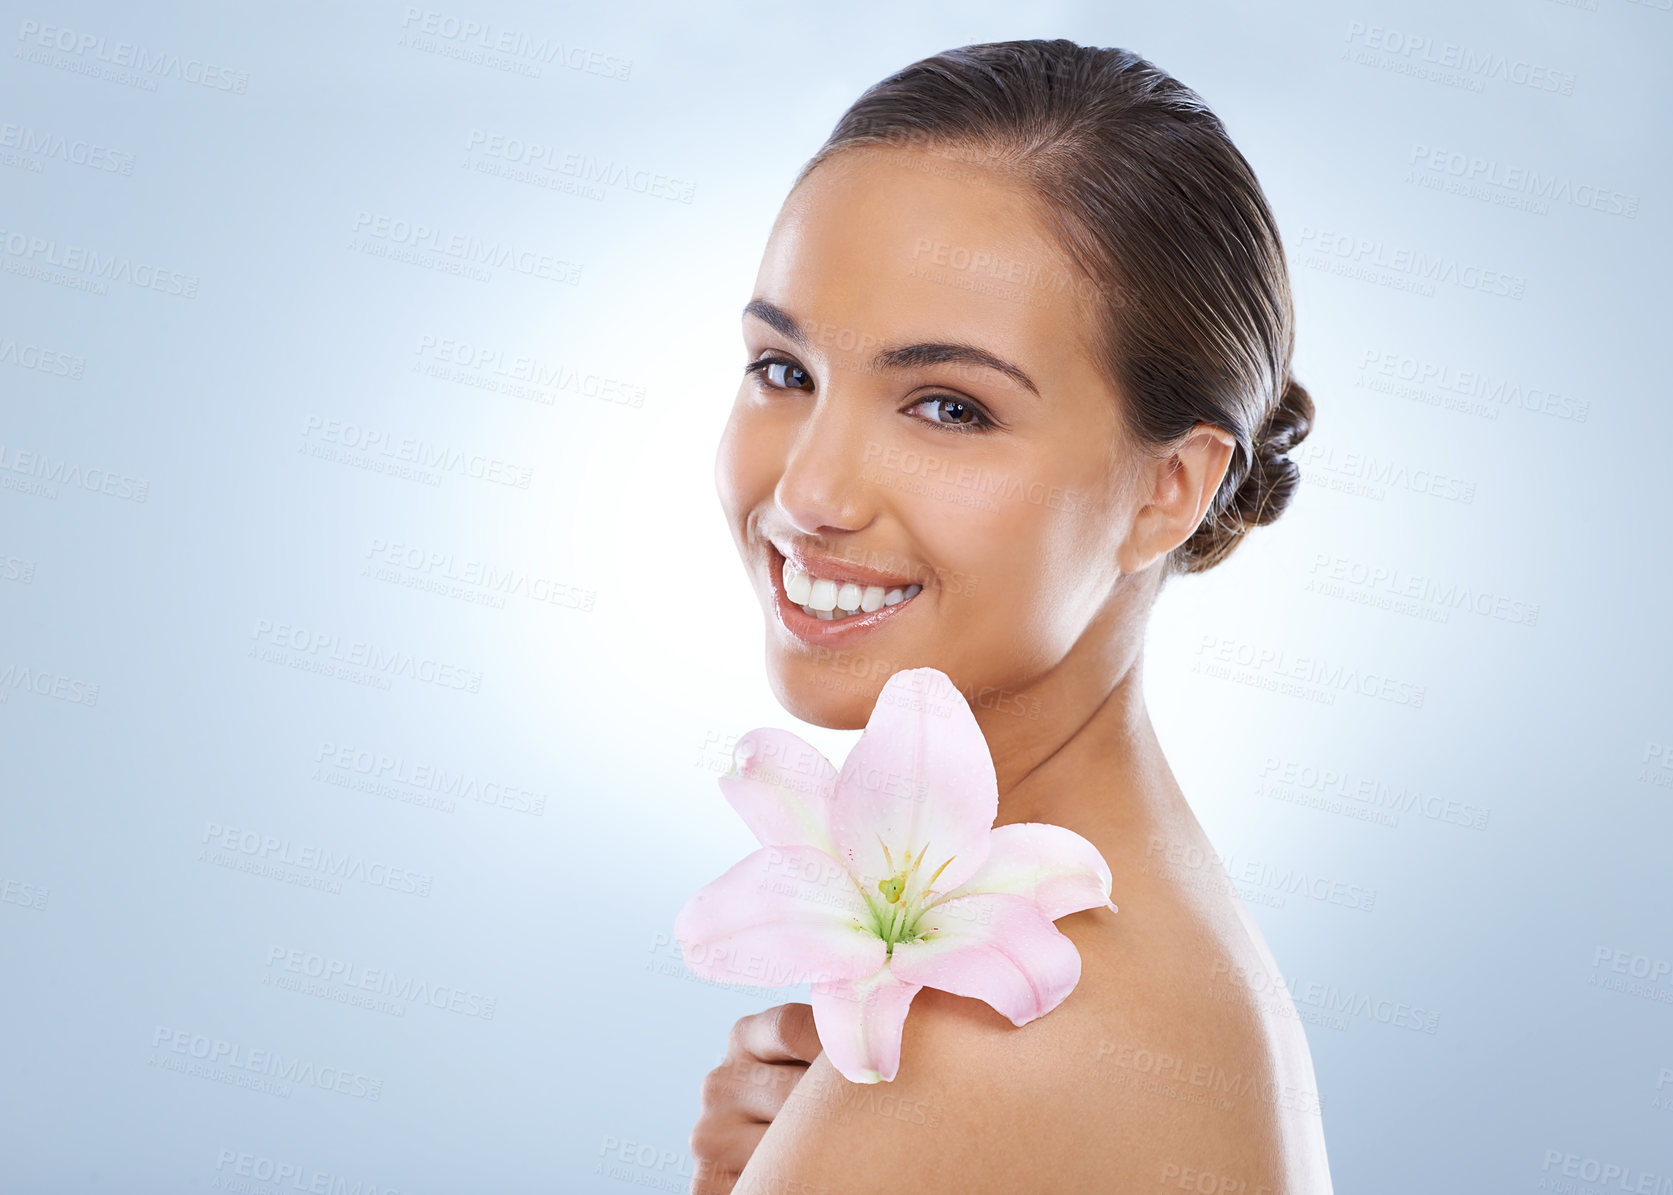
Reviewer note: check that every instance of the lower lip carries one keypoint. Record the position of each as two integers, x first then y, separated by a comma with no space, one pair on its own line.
821,631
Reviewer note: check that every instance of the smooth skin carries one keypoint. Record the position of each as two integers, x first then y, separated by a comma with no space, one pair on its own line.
1178,1062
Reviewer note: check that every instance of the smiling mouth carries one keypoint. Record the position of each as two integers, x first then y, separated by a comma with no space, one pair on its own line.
823,598
842,596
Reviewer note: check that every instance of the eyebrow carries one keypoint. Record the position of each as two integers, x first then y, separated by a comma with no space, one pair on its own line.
909,356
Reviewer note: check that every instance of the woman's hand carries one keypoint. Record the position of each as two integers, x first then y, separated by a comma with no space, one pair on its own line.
766,1057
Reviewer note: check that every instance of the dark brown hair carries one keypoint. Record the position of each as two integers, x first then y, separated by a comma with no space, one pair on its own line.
1162,215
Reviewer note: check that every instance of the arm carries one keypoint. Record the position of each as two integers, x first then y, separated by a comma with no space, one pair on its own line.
767,1054
948,1122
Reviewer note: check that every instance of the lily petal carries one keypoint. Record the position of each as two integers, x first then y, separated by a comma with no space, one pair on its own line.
996,947
1057,869
860,1023
781,786
781,915
920,776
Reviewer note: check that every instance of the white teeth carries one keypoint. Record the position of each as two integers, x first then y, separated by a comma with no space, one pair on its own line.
797,584
823,595
826,599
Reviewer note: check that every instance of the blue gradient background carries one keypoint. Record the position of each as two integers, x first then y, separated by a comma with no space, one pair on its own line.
119,930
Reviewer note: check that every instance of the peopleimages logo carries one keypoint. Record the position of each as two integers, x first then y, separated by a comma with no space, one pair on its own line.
580,167
474,39
1387,580
41,360
42,473
1340,791
1179,859
1472,383
215,1052
501,581
473,250
223,846
378,981
520,375
1327,997
76,151
423,775
30,896
1344,253
147,64
1471,64
15,677
275,1175
1632,974
360,654
359,441
1595,1171
1523,180
32,254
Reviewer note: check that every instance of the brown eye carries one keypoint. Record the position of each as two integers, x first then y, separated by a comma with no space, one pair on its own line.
787,376
955,413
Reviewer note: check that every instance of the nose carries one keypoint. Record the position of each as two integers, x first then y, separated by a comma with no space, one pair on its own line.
823,489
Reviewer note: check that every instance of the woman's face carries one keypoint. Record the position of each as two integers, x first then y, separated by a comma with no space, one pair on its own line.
921,409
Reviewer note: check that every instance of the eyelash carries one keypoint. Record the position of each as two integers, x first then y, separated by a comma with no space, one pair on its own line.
983,422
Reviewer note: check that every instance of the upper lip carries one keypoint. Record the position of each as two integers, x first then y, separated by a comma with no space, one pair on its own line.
836,568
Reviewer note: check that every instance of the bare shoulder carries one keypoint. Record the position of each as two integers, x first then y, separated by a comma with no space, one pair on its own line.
1214,1078
1152,1076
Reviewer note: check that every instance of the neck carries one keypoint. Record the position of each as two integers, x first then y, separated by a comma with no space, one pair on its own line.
1078,750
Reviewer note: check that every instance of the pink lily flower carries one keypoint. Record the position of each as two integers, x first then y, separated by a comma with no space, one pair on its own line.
889,876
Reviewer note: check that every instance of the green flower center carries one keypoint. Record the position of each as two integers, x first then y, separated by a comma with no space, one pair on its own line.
905,900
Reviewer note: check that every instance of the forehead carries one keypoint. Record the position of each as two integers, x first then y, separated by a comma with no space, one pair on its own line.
900,245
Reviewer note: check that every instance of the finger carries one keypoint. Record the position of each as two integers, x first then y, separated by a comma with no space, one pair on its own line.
784,1033
750,1089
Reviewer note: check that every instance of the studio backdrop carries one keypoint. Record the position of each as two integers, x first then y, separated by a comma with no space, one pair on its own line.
372,640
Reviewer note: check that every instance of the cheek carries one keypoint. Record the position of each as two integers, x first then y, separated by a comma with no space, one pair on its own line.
1030,574
993,554
747,462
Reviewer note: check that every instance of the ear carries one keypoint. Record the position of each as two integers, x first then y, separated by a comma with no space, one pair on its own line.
1178,488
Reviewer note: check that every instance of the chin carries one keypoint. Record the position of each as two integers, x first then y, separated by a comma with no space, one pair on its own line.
820,696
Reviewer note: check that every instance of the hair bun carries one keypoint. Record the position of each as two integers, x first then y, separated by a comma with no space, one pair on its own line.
1291,418
1273,477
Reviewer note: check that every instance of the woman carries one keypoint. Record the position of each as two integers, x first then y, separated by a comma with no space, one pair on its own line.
1018,352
